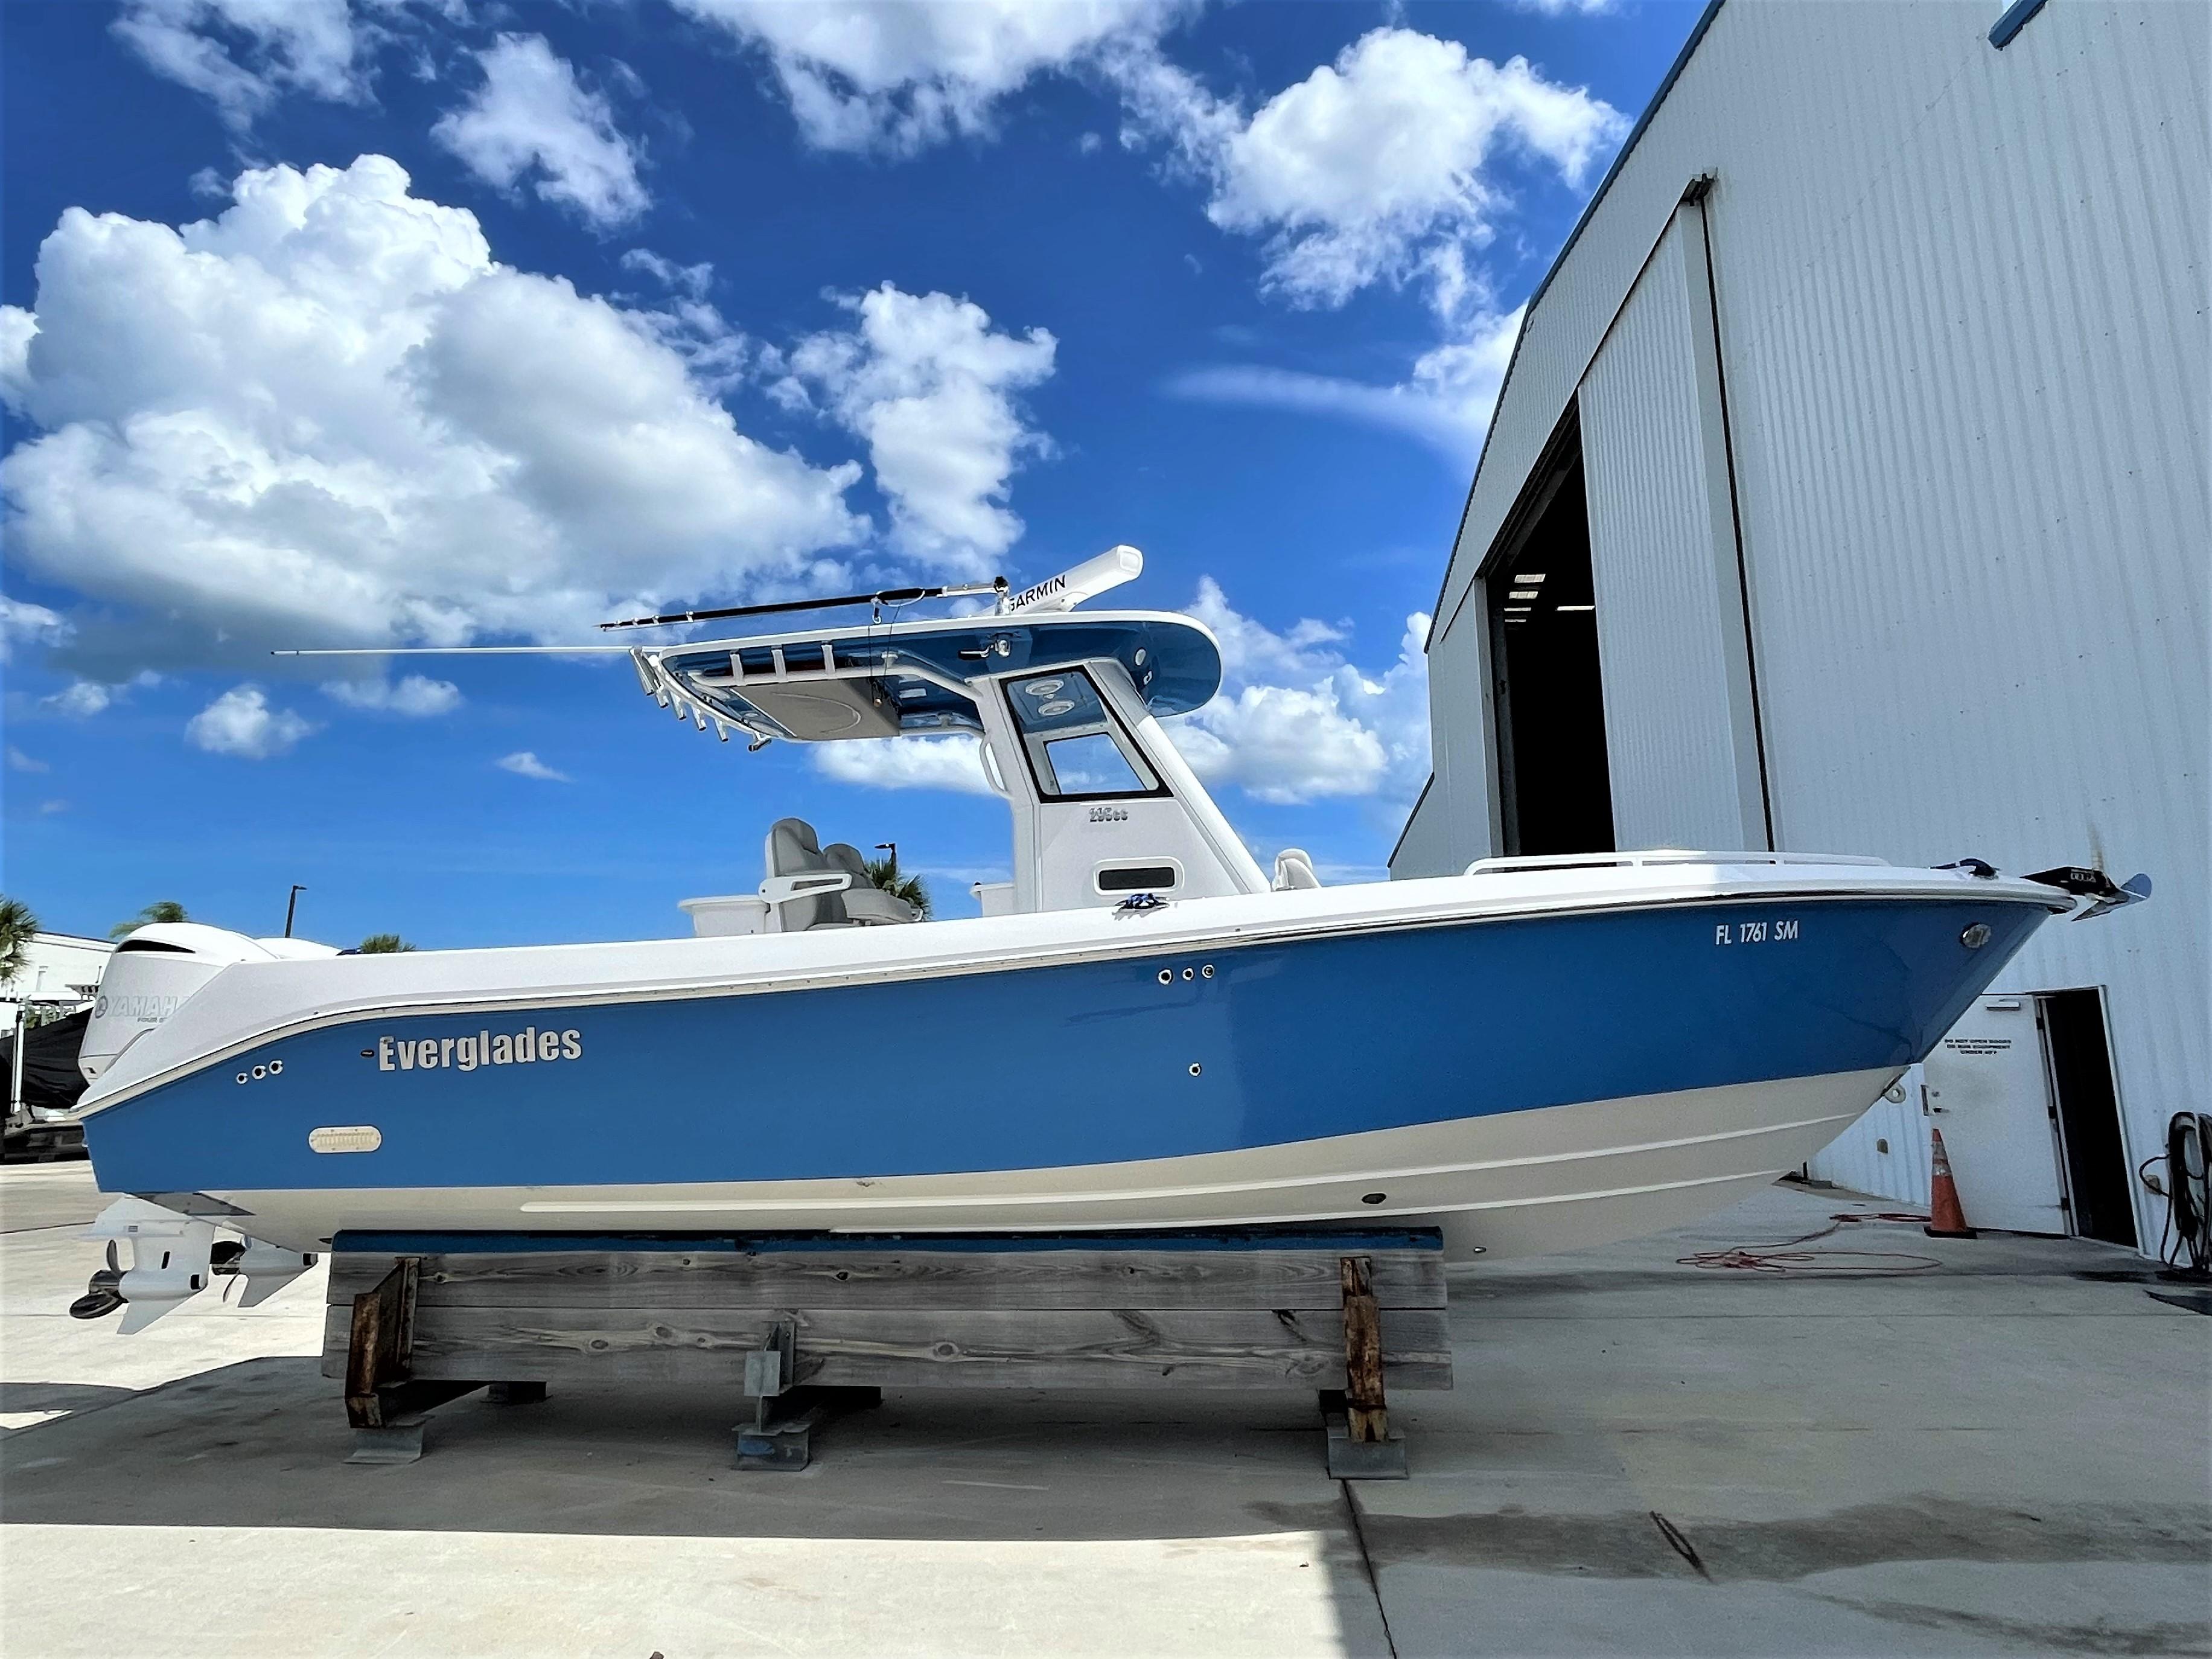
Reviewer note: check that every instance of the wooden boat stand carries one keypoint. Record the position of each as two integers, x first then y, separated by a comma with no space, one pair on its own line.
810,1326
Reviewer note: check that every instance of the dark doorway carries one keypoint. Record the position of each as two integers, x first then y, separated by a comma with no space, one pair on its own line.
1555,793
2089,1110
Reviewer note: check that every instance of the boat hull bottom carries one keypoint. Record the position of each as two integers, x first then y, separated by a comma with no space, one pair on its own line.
1520,1183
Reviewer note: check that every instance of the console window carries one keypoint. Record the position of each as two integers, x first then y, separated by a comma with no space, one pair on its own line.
1090,765
1076,750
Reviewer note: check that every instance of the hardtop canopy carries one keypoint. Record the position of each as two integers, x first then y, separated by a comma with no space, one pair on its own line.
901,679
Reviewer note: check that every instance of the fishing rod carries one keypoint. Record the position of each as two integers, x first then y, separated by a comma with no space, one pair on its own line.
885,596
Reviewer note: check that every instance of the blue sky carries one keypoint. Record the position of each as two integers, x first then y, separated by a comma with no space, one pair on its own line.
389,322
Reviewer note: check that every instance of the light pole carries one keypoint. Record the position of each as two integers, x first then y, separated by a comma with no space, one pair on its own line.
15,1060
291,905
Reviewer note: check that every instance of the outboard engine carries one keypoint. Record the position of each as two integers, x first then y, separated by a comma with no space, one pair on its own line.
173,1258
154,969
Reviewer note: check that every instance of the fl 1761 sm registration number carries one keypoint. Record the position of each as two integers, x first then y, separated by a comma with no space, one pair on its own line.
1780,931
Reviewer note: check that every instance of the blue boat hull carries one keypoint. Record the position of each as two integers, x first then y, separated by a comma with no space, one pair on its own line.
1181,1055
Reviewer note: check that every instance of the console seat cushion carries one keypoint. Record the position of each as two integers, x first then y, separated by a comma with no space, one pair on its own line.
793,850
864,901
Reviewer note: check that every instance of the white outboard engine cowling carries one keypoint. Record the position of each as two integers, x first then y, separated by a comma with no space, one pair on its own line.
154,969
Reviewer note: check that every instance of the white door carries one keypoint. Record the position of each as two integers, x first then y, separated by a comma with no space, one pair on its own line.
1989,1091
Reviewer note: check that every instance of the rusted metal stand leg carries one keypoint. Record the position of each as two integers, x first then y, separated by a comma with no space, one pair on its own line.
384,1401
781,1434
785,1414
1361,1445
1366,1413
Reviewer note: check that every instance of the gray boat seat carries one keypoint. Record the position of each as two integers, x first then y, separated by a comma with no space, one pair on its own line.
801,888
809,887
864,901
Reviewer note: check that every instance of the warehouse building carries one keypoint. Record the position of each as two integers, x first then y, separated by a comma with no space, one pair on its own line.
1848,493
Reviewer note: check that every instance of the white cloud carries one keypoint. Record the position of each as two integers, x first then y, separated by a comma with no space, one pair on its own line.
330,416
689,280
81,699
19,761
531,116
906,763
1251,651
1381,168
1297,721
1284,745
931,388
1446,402
523,764
240,723
416,695
898,76
717,354
1378,168
244,54
32,624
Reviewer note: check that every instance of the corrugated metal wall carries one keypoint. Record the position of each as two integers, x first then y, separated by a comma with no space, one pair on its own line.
1439,840
1971,463
1886,1152
1662,553
1966,322
1424,848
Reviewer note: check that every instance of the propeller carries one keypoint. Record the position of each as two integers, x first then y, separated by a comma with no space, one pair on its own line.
101,1297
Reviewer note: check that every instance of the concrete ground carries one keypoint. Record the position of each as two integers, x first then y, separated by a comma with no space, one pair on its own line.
2008,1451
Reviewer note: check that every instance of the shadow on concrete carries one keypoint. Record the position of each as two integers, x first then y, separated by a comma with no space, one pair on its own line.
262,1443
59,1396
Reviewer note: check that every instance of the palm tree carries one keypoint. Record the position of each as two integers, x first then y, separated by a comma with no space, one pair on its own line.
883,872
383,944
17,924
161,910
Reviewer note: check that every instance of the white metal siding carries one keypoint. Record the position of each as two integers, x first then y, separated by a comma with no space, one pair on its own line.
1972,461
1964,308
1658,554
1857,1158
1424,848
1452,827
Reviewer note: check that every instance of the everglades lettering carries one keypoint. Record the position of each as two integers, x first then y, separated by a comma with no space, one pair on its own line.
529,1047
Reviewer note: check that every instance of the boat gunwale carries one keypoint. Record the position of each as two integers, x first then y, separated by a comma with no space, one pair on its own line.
1522,907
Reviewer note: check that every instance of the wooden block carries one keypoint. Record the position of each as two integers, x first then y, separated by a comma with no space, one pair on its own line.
1035,1348
867,1274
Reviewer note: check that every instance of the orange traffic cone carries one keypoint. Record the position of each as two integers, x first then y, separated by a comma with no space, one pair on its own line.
1945,1220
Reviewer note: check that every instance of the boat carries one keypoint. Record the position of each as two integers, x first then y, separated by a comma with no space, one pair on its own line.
1144,1029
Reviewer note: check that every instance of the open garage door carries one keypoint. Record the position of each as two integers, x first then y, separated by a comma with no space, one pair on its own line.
1554,786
